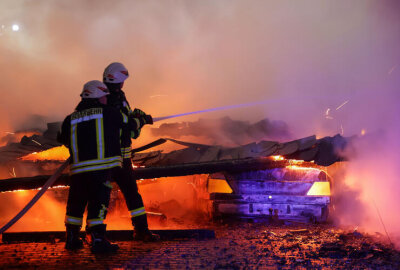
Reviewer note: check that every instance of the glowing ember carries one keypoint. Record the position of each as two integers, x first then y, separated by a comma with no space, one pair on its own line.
278,158
327,116
362,132
296,167
344,103
56,153
12,173
38,143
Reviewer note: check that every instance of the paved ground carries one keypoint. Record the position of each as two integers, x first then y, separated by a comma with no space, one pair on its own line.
238,246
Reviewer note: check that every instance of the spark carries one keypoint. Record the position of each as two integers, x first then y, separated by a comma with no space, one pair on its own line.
154,213
327,111
383,224
392,69
15,27
362,132
341,129
12,133
192,184
36,142
13,174
344,103
327,116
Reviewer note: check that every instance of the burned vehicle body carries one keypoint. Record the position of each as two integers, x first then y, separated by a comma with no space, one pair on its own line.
291,193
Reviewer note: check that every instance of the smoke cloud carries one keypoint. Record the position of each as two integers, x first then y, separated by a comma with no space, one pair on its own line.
366,192
225,131
185,56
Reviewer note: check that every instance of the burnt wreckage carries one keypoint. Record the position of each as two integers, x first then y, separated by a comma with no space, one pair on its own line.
264,179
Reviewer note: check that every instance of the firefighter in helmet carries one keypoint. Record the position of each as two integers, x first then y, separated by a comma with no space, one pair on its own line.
114,76
92,135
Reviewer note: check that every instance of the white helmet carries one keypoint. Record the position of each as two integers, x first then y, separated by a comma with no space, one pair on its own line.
94,89
115,73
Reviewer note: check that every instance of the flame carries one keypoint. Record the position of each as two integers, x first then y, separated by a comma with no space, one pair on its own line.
218,186
137,166
56,153
276,158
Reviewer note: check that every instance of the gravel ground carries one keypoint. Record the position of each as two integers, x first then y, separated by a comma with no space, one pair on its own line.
236,246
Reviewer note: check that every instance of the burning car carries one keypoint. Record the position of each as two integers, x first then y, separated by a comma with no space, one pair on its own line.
290,193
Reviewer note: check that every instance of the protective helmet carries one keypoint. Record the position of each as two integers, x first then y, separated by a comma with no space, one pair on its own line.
115,73
94,89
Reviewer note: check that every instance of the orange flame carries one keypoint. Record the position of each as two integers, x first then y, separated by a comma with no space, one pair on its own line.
56,153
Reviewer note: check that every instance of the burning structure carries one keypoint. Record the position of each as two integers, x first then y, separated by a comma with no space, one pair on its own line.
267,179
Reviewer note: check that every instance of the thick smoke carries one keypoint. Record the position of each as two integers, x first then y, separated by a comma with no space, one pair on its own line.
366,191
185,56
225,131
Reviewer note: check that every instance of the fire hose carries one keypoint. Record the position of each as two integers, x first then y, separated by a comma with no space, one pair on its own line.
57,174
49,182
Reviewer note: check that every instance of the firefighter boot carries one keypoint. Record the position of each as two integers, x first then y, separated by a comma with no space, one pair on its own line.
98,241
142,232
73,241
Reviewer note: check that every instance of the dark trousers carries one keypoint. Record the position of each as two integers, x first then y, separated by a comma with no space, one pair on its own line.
91,189
129,188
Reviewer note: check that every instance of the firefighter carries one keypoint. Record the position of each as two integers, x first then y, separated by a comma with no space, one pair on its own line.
92,134
114,76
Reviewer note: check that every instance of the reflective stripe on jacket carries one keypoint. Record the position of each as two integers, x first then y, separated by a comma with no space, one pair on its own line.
93,137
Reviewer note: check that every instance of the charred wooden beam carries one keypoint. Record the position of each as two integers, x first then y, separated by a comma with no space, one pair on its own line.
35,182
239,165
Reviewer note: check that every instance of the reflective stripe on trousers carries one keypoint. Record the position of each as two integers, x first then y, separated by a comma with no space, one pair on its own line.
73,220
137,212
94,222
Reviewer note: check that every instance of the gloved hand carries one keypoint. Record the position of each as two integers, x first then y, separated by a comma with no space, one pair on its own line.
148,119
138,113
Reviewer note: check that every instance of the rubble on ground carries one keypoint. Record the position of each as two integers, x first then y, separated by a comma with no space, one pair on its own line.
238,245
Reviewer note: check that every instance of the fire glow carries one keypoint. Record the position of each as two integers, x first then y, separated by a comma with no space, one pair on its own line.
57,153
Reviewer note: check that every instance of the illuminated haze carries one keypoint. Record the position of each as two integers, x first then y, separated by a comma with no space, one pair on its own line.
304,56
204,54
